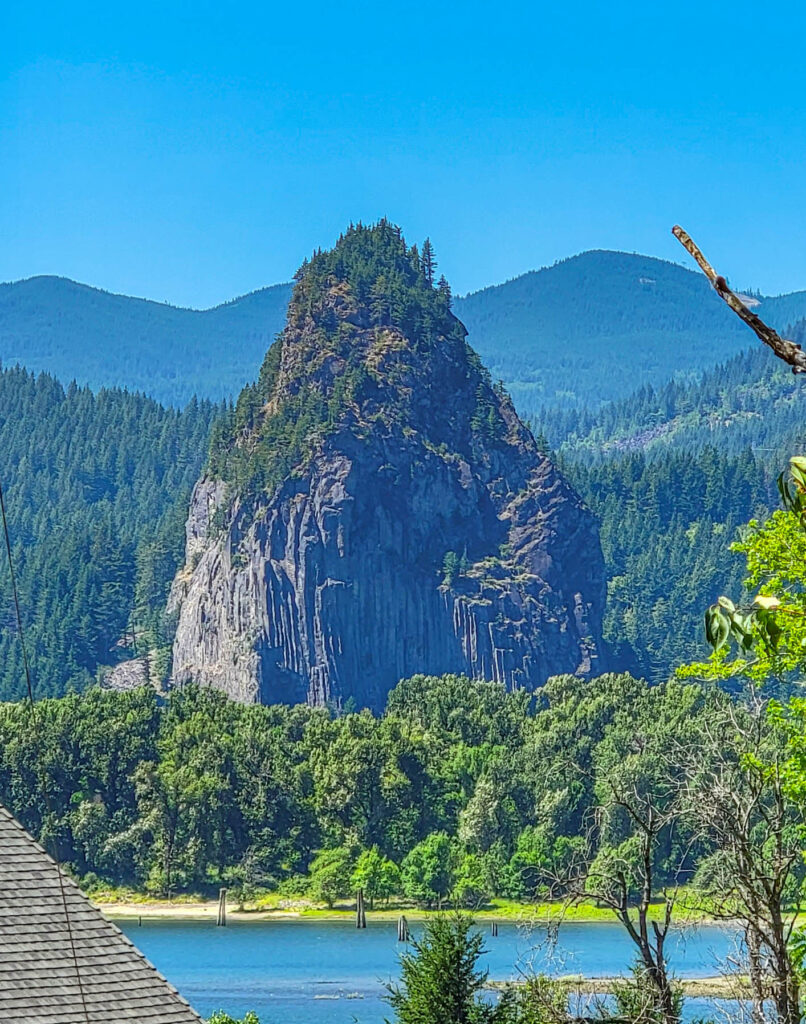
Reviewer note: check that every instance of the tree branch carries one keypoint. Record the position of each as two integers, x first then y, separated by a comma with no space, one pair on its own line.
788,351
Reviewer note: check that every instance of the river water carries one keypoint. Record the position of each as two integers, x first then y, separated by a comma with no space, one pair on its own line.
323,972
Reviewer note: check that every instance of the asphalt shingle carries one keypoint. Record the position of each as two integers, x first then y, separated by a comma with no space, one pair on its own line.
41,980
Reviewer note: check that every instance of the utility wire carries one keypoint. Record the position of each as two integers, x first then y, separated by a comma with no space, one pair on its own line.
42,779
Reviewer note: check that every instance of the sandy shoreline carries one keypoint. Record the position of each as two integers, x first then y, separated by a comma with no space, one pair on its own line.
718,987
195,912
187,910
209,911
152,909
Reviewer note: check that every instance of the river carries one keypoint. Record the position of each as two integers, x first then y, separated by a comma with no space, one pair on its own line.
323,972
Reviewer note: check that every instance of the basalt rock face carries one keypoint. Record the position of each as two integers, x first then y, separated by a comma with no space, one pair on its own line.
376,509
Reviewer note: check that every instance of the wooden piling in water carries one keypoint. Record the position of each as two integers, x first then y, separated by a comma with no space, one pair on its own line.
494,929
402,929
222,909
360,911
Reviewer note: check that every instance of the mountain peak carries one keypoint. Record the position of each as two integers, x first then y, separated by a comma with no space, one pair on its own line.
369,292
370,346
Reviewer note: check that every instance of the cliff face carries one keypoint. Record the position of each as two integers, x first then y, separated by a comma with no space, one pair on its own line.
376,508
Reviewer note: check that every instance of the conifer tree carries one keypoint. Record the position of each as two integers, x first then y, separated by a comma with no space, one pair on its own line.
429,261
441,977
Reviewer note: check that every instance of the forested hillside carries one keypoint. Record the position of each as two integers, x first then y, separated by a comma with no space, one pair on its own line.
666,526
752,401
79,333
96,490
671,472
597,326
589,329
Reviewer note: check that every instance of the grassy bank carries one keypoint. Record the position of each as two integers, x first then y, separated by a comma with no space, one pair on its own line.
273,907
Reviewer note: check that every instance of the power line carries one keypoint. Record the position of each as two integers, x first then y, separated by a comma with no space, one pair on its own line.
42,779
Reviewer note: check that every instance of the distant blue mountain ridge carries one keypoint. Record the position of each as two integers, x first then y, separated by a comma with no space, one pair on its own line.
587,330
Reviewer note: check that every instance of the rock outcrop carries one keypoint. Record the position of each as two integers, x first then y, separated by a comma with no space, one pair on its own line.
376,508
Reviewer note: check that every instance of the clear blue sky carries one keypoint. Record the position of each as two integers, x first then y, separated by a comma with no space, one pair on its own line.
192,152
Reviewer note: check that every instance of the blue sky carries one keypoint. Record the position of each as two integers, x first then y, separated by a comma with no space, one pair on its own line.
193,152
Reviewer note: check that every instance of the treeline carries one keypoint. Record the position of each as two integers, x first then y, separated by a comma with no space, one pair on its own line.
96,489
460,790
667,526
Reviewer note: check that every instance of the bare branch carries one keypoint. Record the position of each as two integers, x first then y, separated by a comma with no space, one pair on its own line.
788,351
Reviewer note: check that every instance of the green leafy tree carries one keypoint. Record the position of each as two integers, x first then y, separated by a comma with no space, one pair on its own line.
427,873
350,763
378,876
470,888
188,797
540,856
765,637
331,874
490,814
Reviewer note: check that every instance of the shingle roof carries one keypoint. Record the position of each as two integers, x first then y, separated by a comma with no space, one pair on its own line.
39,983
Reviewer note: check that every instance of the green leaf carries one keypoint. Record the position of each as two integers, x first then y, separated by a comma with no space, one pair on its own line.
769,627
742,627
717,627
797,467
787,495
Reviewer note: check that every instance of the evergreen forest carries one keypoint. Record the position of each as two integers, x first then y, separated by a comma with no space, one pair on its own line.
96,489
672,474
